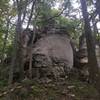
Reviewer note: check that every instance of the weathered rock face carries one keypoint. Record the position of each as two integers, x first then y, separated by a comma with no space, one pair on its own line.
53,55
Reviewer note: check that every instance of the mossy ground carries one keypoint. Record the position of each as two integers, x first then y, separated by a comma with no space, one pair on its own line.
71,89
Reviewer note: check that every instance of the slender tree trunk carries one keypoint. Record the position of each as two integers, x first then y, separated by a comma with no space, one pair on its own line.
30,62
31,47
95,31
11,71
33,38
92,61
17,55
19,51
5,40
98,7
14,62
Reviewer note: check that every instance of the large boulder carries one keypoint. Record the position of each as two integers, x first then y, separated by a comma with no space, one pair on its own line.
53,55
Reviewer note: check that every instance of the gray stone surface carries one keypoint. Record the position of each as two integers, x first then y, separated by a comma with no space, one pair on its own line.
53,55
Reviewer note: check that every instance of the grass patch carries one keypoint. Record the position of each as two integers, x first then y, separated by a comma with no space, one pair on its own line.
83,90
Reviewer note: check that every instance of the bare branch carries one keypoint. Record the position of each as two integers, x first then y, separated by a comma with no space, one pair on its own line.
24,12
57,15
31,14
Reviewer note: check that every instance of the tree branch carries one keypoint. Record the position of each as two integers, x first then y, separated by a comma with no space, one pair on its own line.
30,17
24,12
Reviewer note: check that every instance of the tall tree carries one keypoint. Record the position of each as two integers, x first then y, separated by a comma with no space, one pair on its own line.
92,62
97,4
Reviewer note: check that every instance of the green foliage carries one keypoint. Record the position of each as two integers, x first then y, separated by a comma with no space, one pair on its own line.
71,25
4,4
3,83
98,37
50,17
44,13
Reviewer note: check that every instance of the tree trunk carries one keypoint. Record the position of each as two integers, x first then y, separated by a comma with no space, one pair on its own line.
98,7
19,51
31,14
95,29
5,40
92,61
17,59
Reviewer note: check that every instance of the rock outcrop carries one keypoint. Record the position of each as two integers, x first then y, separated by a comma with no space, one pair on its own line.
53,55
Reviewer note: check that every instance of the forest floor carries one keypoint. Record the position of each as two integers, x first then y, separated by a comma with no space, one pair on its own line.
71,89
